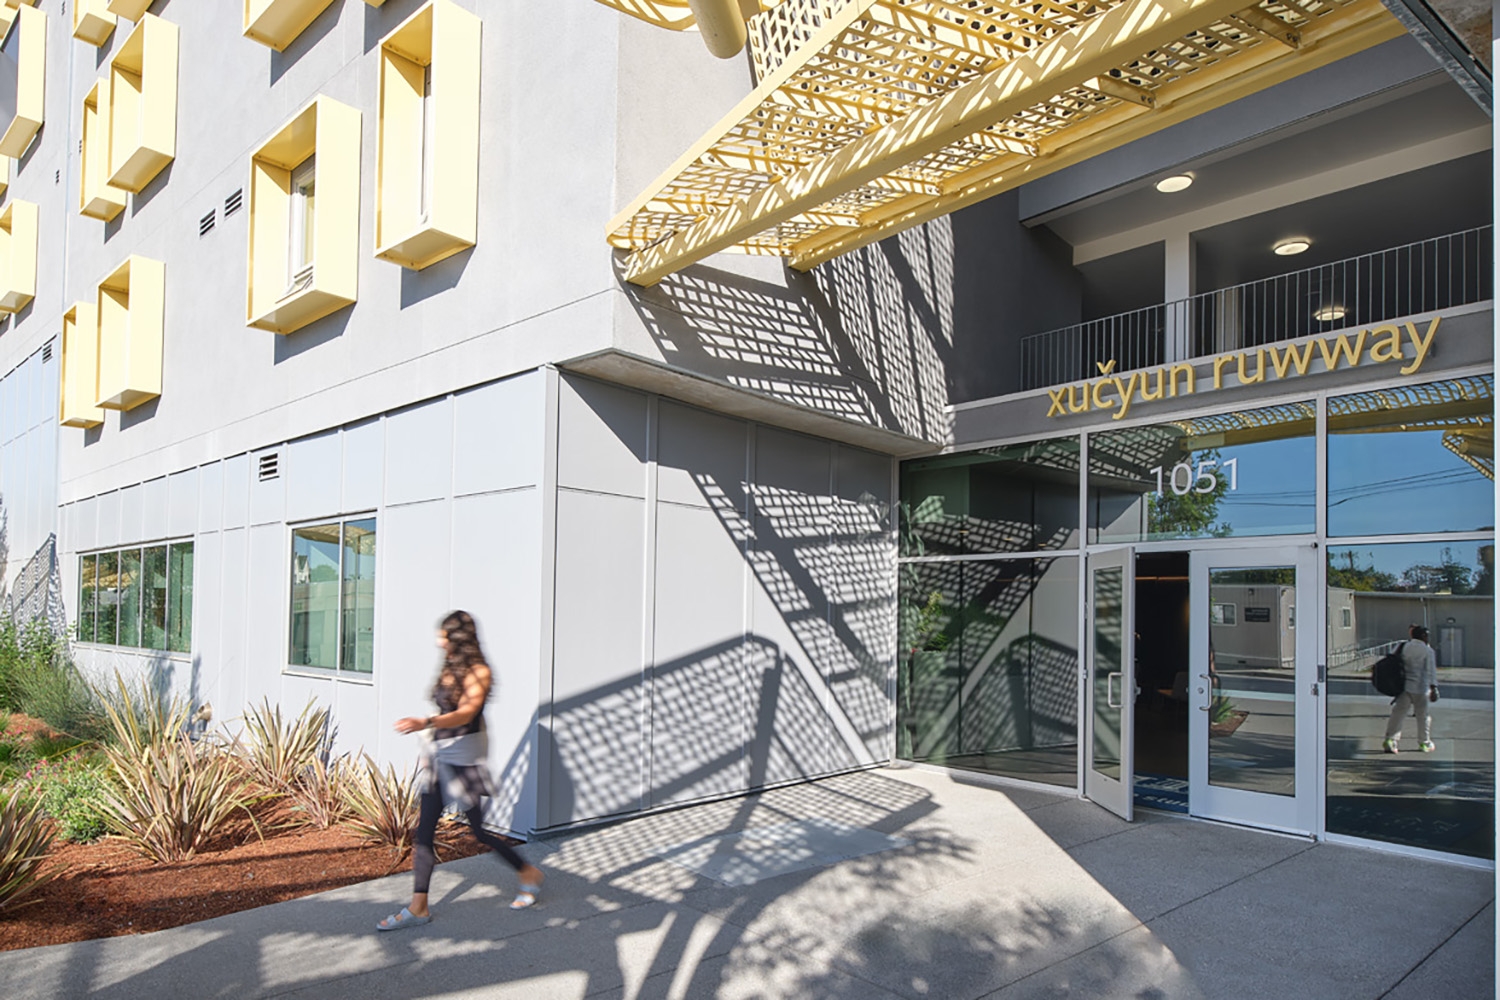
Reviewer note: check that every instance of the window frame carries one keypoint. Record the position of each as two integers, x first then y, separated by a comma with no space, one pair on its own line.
339,671
168,546
302,229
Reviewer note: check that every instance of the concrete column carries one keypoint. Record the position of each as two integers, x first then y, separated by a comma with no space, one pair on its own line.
1178,330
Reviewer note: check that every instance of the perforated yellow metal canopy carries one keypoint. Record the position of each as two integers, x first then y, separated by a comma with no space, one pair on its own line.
872,116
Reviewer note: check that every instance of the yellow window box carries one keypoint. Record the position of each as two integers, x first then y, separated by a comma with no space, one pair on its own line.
278,22
27,42
304,219
92,21
17,256
427,186
97,198
130,10
143,104
131,306
80,367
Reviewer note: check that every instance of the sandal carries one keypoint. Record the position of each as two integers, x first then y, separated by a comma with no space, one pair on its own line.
405,918
526,897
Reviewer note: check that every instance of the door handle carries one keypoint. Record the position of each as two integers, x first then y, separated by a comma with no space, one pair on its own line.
1109,689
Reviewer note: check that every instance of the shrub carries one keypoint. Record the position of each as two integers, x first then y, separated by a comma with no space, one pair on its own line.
71,791
320,795
383,805
281,750
25,836
4,721
169,798
36,677
140,720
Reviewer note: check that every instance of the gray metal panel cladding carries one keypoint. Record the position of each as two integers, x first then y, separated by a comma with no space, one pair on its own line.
419,452
601,438
154,508
313,473
598,696
700,457
182,503
497,441
363,464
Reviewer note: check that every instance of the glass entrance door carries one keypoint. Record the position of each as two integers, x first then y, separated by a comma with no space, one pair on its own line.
1109,680
1253,688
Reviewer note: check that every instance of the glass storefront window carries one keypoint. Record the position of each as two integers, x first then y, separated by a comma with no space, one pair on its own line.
130,597
1229,475
988,677
333,596
1442,799
106,597
1019,498
180,597
1416,458
154,597
359,596
138,598
87,568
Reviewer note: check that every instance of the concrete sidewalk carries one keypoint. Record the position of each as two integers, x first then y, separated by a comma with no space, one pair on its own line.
887,883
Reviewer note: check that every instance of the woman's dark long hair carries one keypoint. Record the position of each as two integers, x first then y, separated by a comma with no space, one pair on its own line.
463,650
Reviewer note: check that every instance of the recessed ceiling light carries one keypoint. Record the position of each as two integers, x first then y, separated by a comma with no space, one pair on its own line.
1177,182
1293,245
1327,314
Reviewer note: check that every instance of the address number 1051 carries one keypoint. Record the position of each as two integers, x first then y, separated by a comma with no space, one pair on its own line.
1183,478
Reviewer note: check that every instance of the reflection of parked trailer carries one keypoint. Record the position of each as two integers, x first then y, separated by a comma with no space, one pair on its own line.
1253,627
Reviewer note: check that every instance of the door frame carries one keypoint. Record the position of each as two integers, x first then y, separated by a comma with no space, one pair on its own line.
1115,794
1299,813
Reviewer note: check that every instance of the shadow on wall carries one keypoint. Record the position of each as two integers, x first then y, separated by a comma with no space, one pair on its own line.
867,337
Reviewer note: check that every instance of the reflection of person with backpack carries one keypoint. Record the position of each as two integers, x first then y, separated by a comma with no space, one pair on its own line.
1420,687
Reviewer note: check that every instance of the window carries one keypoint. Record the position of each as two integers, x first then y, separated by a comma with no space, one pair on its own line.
300,225
25,52
143,104
1223,614
1415,458
92,21
333,596
304,219
277,23
427,185
1226,475
130,304
80,367
97,198
1346,617
18,233
138,598
1016,498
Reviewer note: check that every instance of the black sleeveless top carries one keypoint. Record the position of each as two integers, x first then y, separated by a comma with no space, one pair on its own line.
447,697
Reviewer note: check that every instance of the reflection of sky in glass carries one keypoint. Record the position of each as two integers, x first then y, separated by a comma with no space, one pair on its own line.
1276,490
1403,481
1273,480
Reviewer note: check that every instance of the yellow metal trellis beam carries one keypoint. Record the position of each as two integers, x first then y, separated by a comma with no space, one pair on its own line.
883,114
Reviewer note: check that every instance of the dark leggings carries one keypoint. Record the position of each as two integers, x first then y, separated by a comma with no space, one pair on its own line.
425,858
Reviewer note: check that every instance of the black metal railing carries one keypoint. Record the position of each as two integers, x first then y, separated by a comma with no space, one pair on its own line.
1423,277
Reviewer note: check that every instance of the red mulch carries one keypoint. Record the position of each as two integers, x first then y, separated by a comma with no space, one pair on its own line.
104,889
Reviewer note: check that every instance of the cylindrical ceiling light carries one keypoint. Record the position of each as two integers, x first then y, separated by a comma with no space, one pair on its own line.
1175,183
1291,245
1327,314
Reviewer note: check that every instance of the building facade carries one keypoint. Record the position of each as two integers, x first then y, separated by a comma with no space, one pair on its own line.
324,338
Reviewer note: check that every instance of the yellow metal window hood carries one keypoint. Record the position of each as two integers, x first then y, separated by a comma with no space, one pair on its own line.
131,306
80,367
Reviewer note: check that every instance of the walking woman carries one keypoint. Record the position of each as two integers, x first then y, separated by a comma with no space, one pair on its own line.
452,769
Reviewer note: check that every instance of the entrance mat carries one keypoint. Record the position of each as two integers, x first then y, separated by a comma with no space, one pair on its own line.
747,856
1161,792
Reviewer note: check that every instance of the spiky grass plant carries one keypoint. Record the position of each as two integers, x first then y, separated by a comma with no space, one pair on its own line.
140,719
383,804
25,836
320,795
169,799
279,749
